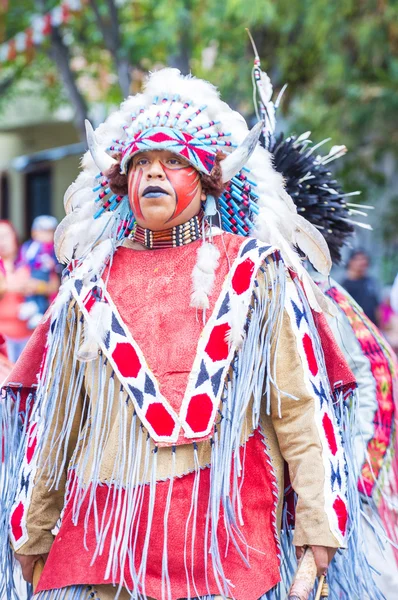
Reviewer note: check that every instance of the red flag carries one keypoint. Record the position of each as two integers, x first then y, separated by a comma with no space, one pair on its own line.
65,12
12,51
47,24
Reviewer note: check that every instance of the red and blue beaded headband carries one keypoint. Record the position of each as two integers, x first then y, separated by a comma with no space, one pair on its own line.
198,153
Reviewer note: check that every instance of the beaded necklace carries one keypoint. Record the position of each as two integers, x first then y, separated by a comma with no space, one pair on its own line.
179,235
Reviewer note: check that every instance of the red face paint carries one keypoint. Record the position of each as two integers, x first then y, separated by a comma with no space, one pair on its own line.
185,182
134,191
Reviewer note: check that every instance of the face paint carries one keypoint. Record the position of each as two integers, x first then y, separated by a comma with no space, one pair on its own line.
185,182
134,191
180,181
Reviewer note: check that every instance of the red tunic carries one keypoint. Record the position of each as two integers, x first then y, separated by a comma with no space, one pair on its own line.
250,581
151,290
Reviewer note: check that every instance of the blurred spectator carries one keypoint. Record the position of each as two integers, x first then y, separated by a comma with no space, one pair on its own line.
389,320
23,280
360,285
38,255
5,364
12,328
3,349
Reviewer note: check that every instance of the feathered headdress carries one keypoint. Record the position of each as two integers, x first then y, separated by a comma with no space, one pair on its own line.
184,115
189,113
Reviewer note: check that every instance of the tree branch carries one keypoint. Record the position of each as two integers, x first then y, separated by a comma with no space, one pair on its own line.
111,33
182,58
7,82
114,21
59,52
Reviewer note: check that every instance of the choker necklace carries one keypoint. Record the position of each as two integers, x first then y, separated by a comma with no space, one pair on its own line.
179,235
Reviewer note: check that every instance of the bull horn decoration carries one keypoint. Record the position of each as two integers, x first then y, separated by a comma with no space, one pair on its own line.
236,160
103,161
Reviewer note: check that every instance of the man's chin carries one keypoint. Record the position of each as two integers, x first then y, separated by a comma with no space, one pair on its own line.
155,217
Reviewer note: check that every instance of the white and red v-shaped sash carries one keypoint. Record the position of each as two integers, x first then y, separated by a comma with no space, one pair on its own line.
213,355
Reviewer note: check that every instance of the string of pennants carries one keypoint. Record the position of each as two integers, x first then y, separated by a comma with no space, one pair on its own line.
40,28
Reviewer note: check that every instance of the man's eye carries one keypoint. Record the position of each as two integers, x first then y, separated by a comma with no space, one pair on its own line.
142,161
174,161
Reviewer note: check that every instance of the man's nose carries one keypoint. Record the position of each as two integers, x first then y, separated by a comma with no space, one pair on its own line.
156,171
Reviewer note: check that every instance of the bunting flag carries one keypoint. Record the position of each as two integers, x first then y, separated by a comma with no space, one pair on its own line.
40,27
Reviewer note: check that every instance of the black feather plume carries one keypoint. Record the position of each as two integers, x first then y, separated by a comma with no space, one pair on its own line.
318,196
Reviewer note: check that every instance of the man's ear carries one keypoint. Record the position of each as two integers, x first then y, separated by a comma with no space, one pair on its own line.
203,196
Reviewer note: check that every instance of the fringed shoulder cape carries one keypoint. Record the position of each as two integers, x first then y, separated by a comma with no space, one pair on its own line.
156,462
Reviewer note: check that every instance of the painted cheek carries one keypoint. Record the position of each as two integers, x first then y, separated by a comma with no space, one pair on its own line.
134,192
185,182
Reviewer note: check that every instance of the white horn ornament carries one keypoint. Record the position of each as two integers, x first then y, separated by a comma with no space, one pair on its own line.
103,161
231,165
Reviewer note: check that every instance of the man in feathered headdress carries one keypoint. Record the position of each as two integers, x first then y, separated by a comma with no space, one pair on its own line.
181,365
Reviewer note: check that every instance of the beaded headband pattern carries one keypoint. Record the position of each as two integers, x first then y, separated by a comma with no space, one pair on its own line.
194,150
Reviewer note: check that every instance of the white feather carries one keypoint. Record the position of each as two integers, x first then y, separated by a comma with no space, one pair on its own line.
231,165
313,244
265,88
76,196
363,225
77,233
103,160
63,297
100,322
170,82
234,336
203,275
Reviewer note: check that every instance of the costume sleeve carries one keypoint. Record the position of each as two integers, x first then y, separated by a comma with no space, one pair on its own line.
305,425
43,500
367,402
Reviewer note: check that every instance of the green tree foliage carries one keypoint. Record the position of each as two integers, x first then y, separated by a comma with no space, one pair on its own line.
340,60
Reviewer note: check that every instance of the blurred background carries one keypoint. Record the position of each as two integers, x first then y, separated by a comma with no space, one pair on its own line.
64,61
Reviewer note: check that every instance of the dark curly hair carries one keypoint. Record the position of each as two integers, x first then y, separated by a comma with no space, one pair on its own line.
117,180
211,184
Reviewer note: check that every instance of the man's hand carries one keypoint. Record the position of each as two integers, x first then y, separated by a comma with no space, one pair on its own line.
28,564
322,555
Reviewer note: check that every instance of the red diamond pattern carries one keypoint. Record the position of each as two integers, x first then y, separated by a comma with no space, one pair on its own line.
126,359
342,514
310,354
16,520
90,301
199,412
161,421
242,277
217,347
329,432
